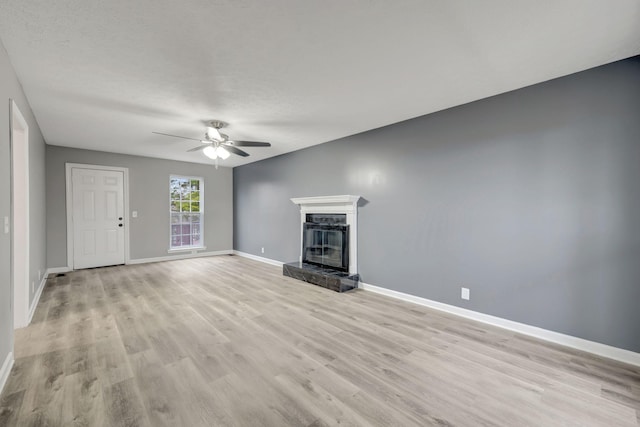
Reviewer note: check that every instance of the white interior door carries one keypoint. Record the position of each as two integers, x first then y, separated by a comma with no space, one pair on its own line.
98,217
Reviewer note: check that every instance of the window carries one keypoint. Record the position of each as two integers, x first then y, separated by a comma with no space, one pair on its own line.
186,209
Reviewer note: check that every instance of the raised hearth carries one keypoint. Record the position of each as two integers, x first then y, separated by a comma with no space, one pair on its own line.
327,278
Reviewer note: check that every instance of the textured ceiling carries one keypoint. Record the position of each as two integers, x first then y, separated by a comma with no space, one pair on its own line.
103,74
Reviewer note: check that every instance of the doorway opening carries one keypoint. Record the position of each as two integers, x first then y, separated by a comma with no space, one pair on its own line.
19,137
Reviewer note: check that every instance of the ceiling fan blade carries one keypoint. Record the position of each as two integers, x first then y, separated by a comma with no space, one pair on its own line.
234,150
198,148
176,136
248,143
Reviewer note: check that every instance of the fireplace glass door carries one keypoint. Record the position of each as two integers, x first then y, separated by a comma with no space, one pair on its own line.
326,245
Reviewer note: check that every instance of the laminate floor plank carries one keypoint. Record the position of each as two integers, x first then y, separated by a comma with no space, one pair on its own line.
195,397
123,405
112,361
10,406
418,410
226,341
83,400
158,398
519,367
44,391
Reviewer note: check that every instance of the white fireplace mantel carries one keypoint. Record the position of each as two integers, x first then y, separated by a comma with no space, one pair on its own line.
344,204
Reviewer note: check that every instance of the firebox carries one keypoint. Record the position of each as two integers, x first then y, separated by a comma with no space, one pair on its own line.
325,241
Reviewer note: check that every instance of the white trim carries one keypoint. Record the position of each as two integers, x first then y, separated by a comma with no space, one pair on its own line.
56,270
36,297
6,370
259,258
176,257
344,204
345,199
186,249
201,201
603,350
20,295
68,188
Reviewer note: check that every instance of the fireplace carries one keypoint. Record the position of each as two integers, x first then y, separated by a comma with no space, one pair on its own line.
325,241
328,242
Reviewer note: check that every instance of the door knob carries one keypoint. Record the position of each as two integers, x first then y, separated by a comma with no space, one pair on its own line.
119,225
120,219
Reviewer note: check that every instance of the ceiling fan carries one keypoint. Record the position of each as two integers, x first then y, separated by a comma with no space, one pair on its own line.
217,145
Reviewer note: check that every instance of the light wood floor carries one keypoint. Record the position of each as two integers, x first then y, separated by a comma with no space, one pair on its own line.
229,341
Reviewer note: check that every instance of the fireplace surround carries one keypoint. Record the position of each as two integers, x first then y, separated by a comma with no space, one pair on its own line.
328,242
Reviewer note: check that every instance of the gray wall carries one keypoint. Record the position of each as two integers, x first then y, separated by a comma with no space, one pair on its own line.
148,194
10,88
531,199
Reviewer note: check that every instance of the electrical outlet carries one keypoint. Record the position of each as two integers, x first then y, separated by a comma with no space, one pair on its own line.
465,293
262,250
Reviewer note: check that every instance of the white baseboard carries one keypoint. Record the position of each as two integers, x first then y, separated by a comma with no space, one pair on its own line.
179,256
259,258
156,259
56,270
5,370
603,350
36,298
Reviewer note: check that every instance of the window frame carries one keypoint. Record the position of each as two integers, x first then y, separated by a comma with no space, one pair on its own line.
201,203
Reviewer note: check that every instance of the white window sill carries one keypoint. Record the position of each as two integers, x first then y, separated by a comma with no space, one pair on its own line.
189,249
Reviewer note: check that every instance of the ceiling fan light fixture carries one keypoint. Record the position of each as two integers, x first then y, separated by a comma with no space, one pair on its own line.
222,153
211,152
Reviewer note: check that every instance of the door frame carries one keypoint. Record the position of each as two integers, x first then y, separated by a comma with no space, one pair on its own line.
20,292
69,196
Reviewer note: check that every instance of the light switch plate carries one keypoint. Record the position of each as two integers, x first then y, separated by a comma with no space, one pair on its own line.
134,214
